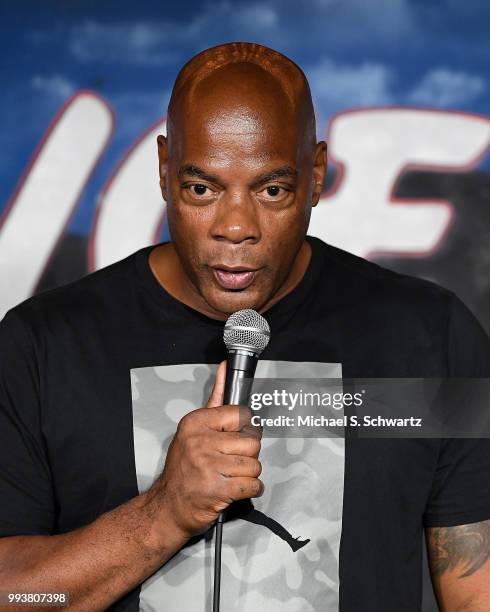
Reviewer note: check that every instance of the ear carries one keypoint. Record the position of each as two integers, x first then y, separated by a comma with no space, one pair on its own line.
319,171
162,164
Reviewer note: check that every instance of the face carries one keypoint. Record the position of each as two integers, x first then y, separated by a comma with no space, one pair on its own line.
239,183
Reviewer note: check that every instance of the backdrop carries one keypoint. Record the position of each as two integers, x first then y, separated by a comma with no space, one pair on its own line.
401,94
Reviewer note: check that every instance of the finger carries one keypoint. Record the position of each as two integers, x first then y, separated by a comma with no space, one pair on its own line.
216,397
237,443
241,487
228,418
249,429
238,465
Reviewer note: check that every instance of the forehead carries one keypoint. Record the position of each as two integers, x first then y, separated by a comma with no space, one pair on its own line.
238,135
240,113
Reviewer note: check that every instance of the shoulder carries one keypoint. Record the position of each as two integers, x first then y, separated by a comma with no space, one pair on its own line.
96,294
357,278
405,311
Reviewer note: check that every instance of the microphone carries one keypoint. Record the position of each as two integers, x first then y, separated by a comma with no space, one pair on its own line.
246,335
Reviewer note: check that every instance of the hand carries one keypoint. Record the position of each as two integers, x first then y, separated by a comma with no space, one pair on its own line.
211,462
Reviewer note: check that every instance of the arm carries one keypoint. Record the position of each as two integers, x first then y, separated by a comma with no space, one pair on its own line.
459,555
96,564
459,560
211,462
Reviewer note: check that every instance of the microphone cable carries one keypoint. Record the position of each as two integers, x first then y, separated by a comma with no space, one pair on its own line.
217,561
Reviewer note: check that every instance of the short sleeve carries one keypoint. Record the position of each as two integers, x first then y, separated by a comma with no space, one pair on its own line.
460,492
461,488
26,492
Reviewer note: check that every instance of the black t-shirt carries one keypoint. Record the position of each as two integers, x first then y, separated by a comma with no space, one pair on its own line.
95,375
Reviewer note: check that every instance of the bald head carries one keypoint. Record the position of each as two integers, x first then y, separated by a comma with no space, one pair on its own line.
264,87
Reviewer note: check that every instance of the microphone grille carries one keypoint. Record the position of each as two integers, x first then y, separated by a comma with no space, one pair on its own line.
248,329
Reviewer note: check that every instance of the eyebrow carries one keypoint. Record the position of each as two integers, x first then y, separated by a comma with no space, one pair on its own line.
272,175
191,170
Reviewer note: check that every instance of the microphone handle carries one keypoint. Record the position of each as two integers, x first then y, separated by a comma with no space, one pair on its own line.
240,370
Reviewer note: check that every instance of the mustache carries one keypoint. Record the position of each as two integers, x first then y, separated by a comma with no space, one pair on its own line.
235,259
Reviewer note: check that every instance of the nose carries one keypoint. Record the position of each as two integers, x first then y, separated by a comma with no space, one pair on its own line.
236,220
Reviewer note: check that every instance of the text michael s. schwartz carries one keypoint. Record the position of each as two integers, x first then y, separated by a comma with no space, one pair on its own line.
324,421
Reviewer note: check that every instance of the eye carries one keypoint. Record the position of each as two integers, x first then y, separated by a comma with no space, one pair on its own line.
198,189
273,190
274,193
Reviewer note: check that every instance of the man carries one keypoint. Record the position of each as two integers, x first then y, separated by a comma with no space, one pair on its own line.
86,508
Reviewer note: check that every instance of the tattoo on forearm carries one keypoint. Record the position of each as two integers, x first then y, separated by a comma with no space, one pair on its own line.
468,545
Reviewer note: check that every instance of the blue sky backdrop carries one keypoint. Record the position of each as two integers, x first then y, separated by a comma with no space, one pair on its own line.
429,53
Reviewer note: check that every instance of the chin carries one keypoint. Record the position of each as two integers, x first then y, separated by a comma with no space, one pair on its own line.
229,302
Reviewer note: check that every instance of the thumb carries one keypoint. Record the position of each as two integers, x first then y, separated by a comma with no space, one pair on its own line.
216,397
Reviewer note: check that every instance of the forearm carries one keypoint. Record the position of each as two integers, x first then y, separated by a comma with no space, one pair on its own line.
459,559
96,564
462,599
471,604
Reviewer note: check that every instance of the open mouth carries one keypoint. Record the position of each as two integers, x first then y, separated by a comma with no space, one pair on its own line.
234,279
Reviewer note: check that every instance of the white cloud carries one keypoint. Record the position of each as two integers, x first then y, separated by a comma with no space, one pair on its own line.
338,86
442,87
54,85
255,16
159,42
361,21
335,86
272,22
131,43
